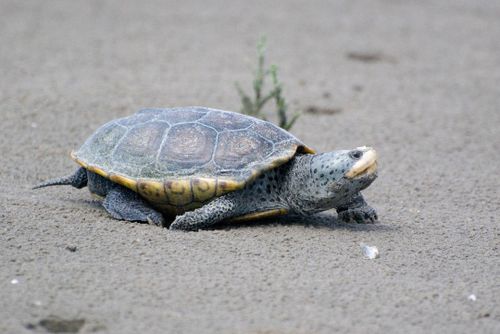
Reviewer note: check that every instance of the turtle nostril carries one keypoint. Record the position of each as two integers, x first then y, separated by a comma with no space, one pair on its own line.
356,154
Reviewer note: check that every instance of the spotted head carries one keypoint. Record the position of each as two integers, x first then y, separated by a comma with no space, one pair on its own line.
332,179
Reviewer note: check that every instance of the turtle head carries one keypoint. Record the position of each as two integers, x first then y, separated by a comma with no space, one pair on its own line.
335,177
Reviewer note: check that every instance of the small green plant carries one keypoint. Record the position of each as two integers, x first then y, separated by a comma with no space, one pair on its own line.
253,106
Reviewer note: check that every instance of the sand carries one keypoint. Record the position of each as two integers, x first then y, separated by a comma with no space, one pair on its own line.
419,81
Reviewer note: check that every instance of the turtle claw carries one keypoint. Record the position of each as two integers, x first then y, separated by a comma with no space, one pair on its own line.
179,227
185,222
156,218
362,215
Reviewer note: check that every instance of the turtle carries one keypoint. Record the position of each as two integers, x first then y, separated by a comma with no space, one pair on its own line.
189,168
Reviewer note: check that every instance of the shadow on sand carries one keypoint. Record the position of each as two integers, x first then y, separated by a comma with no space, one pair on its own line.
321,220
325,220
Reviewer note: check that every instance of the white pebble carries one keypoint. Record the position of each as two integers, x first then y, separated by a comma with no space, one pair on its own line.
34,125
14,281
370,252
472,297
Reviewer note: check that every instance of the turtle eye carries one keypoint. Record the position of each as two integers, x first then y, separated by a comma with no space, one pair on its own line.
356,154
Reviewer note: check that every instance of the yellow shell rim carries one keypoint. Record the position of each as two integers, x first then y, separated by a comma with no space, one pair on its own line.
223,185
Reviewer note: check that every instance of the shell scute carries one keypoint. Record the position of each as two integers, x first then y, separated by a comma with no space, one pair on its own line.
143,116
124,181
178,192
153,191
270,132
98,148
151,112
237,149
203,189
141,144
225,121
187,146
225,186
179,115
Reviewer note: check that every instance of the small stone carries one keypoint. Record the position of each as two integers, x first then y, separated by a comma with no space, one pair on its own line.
55,324
472,297
357,88
30,326
14,281
71,248
34,125
370,252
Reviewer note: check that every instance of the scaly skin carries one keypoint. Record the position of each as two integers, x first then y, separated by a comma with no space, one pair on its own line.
263,194
123,203
305,185
78,180
357,211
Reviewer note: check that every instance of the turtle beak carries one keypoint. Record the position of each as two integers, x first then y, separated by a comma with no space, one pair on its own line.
366,165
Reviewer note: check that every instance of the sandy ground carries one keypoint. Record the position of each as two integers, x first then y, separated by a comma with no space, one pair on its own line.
419,81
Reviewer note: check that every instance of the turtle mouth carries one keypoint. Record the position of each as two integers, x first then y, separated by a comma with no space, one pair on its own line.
367,165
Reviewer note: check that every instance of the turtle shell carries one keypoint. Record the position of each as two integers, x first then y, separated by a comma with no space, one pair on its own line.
180,158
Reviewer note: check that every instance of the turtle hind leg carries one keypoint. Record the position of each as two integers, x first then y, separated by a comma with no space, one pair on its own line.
243,205
220,209
215,211
125,204
78,180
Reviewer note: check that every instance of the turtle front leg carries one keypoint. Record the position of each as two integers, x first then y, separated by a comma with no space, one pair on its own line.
123,203
357,210
217,210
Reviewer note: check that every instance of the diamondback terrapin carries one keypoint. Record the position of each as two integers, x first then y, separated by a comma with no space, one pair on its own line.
203,166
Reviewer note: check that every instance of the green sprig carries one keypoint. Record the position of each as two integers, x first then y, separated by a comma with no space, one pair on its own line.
253,106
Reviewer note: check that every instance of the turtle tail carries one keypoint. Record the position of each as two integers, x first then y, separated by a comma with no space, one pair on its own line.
78,180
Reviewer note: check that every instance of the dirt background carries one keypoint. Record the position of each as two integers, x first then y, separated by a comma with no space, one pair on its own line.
419,81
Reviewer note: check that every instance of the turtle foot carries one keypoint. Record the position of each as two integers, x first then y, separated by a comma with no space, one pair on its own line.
362,215
156,218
